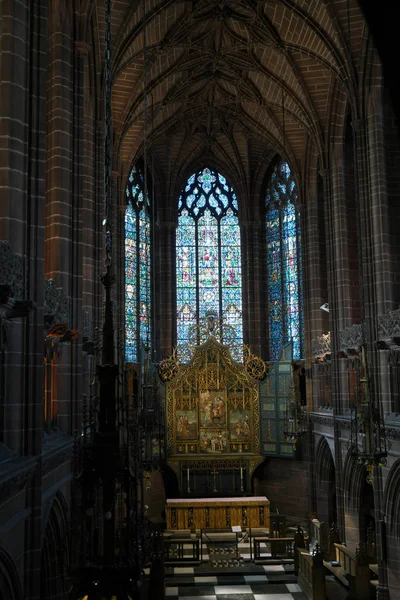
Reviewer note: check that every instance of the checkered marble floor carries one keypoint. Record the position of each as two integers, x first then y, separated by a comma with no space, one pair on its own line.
231,587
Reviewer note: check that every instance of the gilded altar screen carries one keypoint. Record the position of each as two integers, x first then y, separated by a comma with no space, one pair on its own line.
212,406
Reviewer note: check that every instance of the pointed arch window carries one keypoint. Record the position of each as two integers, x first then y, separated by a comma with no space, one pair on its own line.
208,255
285,293
137,266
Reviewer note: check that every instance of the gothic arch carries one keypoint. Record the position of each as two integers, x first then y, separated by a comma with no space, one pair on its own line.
325,482
10,586
359,498
354,475
55,551
392,500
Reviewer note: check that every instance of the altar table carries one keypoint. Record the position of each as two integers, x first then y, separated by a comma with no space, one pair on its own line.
218,513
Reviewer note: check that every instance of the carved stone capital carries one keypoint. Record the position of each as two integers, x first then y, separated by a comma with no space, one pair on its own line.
12,270
351,338
389,326
56,304
321,346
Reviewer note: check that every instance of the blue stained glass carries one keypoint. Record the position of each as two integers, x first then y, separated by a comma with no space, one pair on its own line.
284,263
189,200
189,183
208,266
137,267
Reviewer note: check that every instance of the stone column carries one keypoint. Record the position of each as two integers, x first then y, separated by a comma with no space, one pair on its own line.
79,57
23,64
376,279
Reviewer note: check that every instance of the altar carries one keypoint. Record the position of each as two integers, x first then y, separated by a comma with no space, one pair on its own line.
200,513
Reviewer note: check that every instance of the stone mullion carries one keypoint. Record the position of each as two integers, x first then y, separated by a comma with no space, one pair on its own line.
167,295
251,285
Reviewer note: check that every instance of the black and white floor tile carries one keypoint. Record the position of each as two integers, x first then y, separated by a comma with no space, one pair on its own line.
252,587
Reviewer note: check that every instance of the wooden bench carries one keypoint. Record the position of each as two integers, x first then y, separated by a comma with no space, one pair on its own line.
353,572
311,575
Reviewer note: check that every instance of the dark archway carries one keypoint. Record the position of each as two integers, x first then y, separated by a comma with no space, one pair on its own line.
390,531
358,499
10,587
55,552
325,483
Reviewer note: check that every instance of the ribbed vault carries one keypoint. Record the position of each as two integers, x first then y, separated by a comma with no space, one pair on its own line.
215,72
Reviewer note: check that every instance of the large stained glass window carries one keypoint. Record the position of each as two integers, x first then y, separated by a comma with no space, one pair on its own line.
283,263
137,266
208,265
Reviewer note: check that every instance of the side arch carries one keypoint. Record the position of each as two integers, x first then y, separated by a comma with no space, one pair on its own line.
10,586
392,500
325,473
359,502
354,475
55,551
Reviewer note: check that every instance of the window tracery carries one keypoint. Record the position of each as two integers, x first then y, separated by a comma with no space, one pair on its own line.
137,266
208,254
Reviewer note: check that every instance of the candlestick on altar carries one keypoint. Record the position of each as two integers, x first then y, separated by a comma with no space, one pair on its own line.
188,481
241,479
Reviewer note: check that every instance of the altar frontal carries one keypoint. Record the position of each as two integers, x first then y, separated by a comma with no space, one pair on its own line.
217,513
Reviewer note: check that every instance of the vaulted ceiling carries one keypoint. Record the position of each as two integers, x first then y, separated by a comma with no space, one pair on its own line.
231,81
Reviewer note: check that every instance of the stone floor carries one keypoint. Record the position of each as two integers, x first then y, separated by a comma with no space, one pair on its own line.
212,579
231,587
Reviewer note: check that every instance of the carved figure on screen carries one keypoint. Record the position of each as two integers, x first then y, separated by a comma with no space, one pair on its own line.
212,409
213,442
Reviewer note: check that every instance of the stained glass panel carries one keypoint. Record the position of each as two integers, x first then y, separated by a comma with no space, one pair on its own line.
137,267
208,255
283,263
